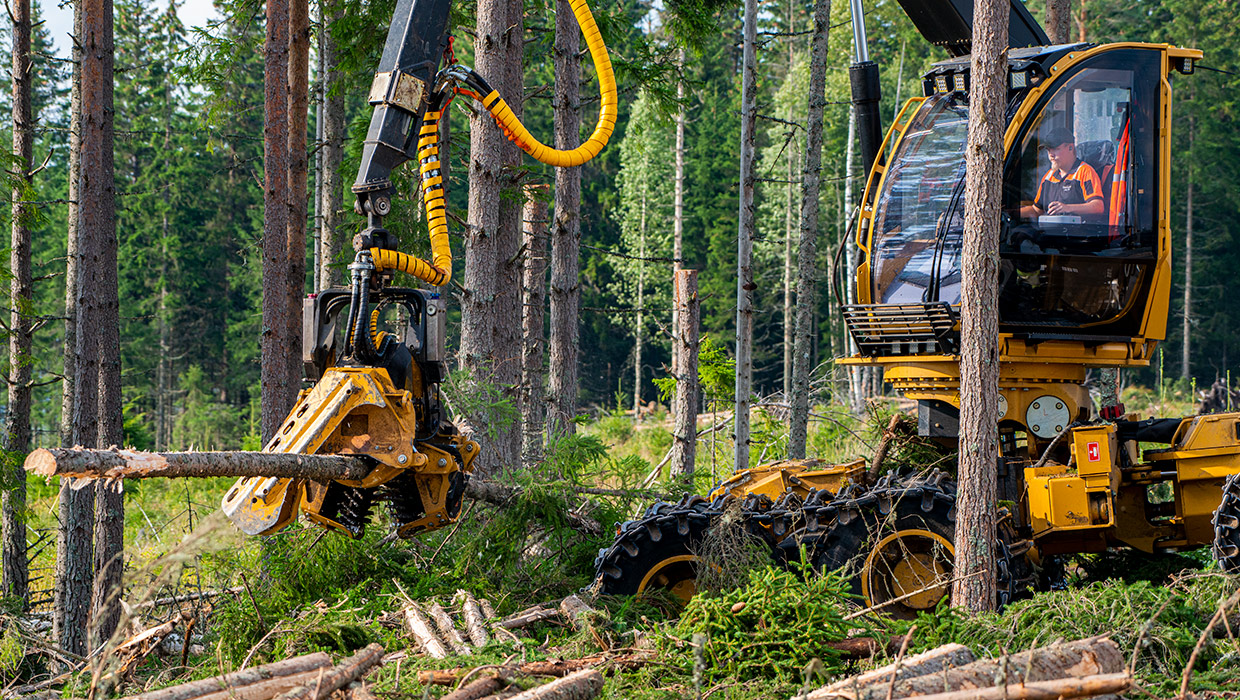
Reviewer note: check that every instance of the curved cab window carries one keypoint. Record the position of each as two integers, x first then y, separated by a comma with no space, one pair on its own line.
922,186
1079,201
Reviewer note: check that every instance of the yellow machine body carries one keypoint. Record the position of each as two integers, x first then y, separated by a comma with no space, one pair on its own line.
798,476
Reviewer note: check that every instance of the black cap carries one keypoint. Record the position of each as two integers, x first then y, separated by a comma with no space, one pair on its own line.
1058,137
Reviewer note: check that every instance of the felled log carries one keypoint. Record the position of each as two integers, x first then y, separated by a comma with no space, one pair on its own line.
357,691
338,677
421,628
265,690
131,464
237,679
933,661
447,629
581,685
575,610
557,668
1086,657
1088,686
481,688
528,617
475,623
862,647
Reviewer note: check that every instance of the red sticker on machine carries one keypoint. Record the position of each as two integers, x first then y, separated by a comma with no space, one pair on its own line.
1092,450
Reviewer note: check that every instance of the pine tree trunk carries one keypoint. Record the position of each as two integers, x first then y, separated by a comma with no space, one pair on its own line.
789,204
979,324
856,394
684,407
807,249
278,392
506,443
744,240
316,199
641,300
1185,349
71,606
1058,20
14,574
490,318
566,228
534,284
333,155
298,171
678,205
98,360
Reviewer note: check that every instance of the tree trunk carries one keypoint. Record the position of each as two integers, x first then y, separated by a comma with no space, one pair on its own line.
98,361
490,317
678,203
789,204
685,349
71,607
566,228
638,335
534,284
1185,350
279,393
298,170
933,661
505,445
14,573
979,325
333,154
316,199
336,678
1058,20
744,240
807,249
856,394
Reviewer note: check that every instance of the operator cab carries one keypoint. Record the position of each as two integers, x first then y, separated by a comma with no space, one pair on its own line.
1084,188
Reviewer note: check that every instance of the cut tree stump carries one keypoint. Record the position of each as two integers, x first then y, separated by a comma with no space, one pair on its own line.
933,661
576,612
237,679
581,685
131,464
338,677
421,628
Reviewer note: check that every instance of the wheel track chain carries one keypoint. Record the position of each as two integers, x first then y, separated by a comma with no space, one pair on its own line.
1226,521
688,518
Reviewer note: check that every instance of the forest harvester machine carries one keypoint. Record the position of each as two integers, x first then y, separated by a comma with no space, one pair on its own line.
373,427
1080,288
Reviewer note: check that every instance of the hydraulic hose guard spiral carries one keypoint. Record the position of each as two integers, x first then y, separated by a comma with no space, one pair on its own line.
438,271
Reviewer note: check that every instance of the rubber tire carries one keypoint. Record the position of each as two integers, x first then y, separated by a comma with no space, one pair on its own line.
843,532
664,531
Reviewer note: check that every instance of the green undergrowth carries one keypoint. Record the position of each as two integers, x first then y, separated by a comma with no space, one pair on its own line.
770,627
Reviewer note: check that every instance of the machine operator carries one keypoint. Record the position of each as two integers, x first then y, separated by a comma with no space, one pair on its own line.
1070,186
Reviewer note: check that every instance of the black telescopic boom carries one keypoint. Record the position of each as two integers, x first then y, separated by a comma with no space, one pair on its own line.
402,86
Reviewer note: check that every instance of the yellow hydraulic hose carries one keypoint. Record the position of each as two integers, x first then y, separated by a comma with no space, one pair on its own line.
518,134
438,272
376,336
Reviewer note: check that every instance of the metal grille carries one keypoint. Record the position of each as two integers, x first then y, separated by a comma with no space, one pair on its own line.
903,329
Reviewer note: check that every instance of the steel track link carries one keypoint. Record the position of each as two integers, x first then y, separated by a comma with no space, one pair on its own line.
1226,521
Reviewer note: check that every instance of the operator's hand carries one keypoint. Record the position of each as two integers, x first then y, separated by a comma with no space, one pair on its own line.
1056,208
